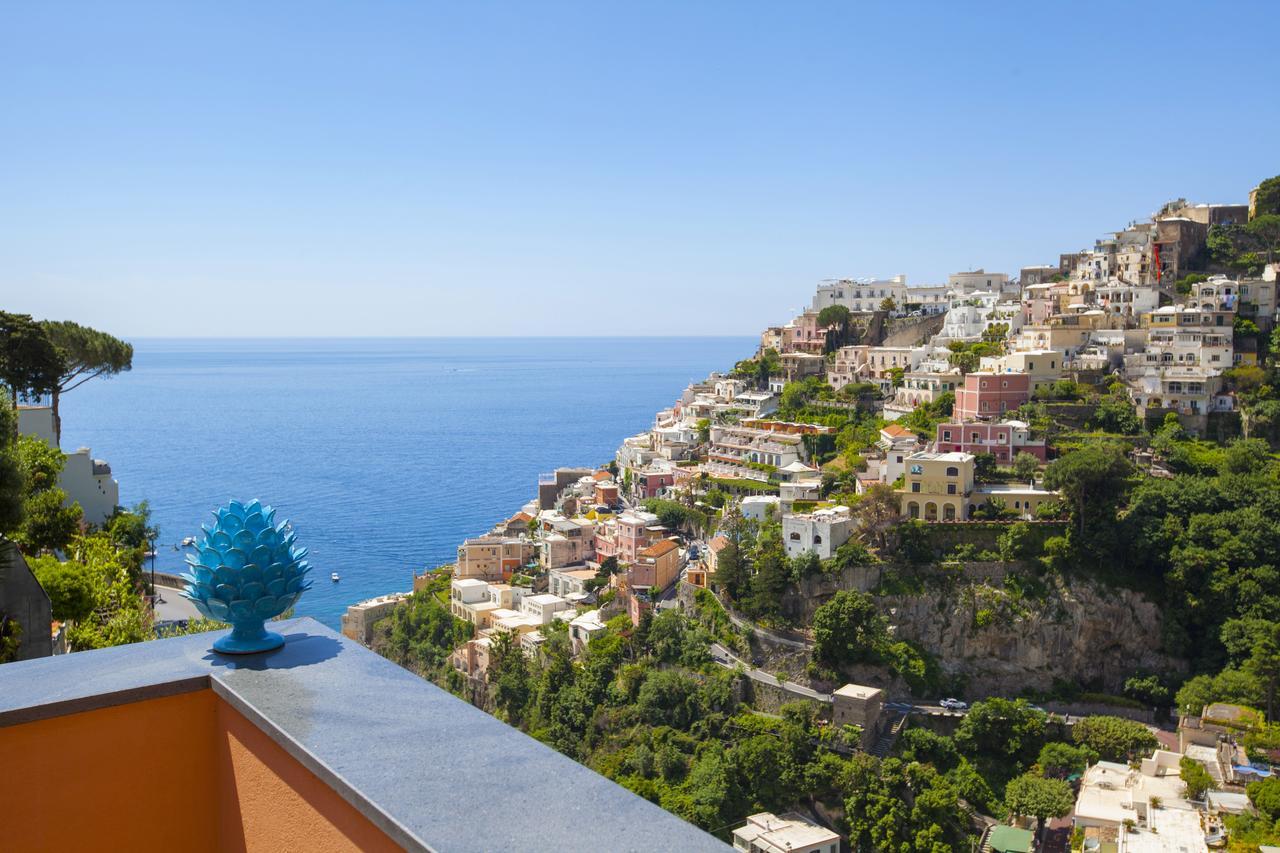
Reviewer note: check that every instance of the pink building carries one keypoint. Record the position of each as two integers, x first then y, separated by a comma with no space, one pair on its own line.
1003,440
632,533
991,395
803,334
647,484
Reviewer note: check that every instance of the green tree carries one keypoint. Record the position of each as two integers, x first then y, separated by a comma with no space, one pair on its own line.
1114,738
48,522
848,629
835,319
30,364
509,680
1058,759
86,354
69,585
1009,729
1025,466
1265,230
1030,795
1263,663
1093,481
1267,200
984,467
1195,779
731,572
1265,796
12,478
877,512
769,582
1147,689
887,304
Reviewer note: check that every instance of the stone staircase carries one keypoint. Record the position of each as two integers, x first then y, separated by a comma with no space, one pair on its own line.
889,735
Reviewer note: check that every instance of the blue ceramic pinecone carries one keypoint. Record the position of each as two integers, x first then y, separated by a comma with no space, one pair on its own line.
246,566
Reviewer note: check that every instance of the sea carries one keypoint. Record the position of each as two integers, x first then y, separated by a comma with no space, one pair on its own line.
383,453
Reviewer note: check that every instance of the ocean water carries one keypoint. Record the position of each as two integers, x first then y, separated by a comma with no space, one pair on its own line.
384,453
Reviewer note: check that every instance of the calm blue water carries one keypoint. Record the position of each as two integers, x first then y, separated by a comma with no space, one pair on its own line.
385,453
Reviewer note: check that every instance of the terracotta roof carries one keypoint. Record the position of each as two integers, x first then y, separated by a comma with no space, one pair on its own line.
657,549
896,430
520,516
718,543
601,475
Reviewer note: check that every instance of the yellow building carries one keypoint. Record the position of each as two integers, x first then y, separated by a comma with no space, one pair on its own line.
937,486
941,487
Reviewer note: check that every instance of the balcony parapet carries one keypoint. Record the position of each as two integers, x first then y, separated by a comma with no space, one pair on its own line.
417,762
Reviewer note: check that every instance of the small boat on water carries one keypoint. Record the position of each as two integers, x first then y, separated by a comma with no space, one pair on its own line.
189,542
334,577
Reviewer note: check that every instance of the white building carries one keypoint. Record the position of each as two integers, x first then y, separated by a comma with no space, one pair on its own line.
768,833
969,315
821,531
542,608
927,299
87,481
897,443
759,507
979,280
1113,794
861,294
583,628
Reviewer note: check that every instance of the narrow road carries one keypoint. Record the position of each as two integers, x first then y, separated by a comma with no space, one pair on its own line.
729,660
775,638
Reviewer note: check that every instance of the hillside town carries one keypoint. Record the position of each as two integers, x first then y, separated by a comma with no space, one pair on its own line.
897,440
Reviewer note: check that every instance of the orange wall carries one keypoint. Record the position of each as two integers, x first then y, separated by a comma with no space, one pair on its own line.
270,802
185,772
134,777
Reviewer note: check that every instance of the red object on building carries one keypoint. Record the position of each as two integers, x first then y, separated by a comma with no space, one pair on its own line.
991,395
1158,270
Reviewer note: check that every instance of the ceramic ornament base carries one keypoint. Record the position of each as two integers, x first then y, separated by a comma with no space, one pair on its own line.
248,640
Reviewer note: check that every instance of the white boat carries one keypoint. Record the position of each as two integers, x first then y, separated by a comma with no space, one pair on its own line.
189,542
334,577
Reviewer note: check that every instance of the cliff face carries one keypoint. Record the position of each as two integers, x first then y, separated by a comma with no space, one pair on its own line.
1001,644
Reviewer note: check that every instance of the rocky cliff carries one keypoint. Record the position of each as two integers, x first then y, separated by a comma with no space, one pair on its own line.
1001,643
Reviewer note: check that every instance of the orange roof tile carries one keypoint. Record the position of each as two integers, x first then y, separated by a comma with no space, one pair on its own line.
657,549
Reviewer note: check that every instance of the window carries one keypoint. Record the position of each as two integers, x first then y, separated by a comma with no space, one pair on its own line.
951,488
795,537
946,435
917,469
953,471
817,540
915,487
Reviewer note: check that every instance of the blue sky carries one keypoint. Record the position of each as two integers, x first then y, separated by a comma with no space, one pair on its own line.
639,168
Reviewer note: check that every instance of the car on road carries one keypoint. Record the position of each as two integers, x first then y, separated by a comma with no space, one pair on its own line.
954,705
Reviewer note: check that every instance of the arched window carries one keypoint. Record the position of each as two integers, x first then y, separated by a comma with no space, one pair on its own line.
913,509
795,537
817,540
953,471
949,513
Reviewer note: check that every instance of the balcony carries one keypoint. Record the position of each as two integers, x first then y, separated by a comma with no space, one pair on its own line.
321,745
